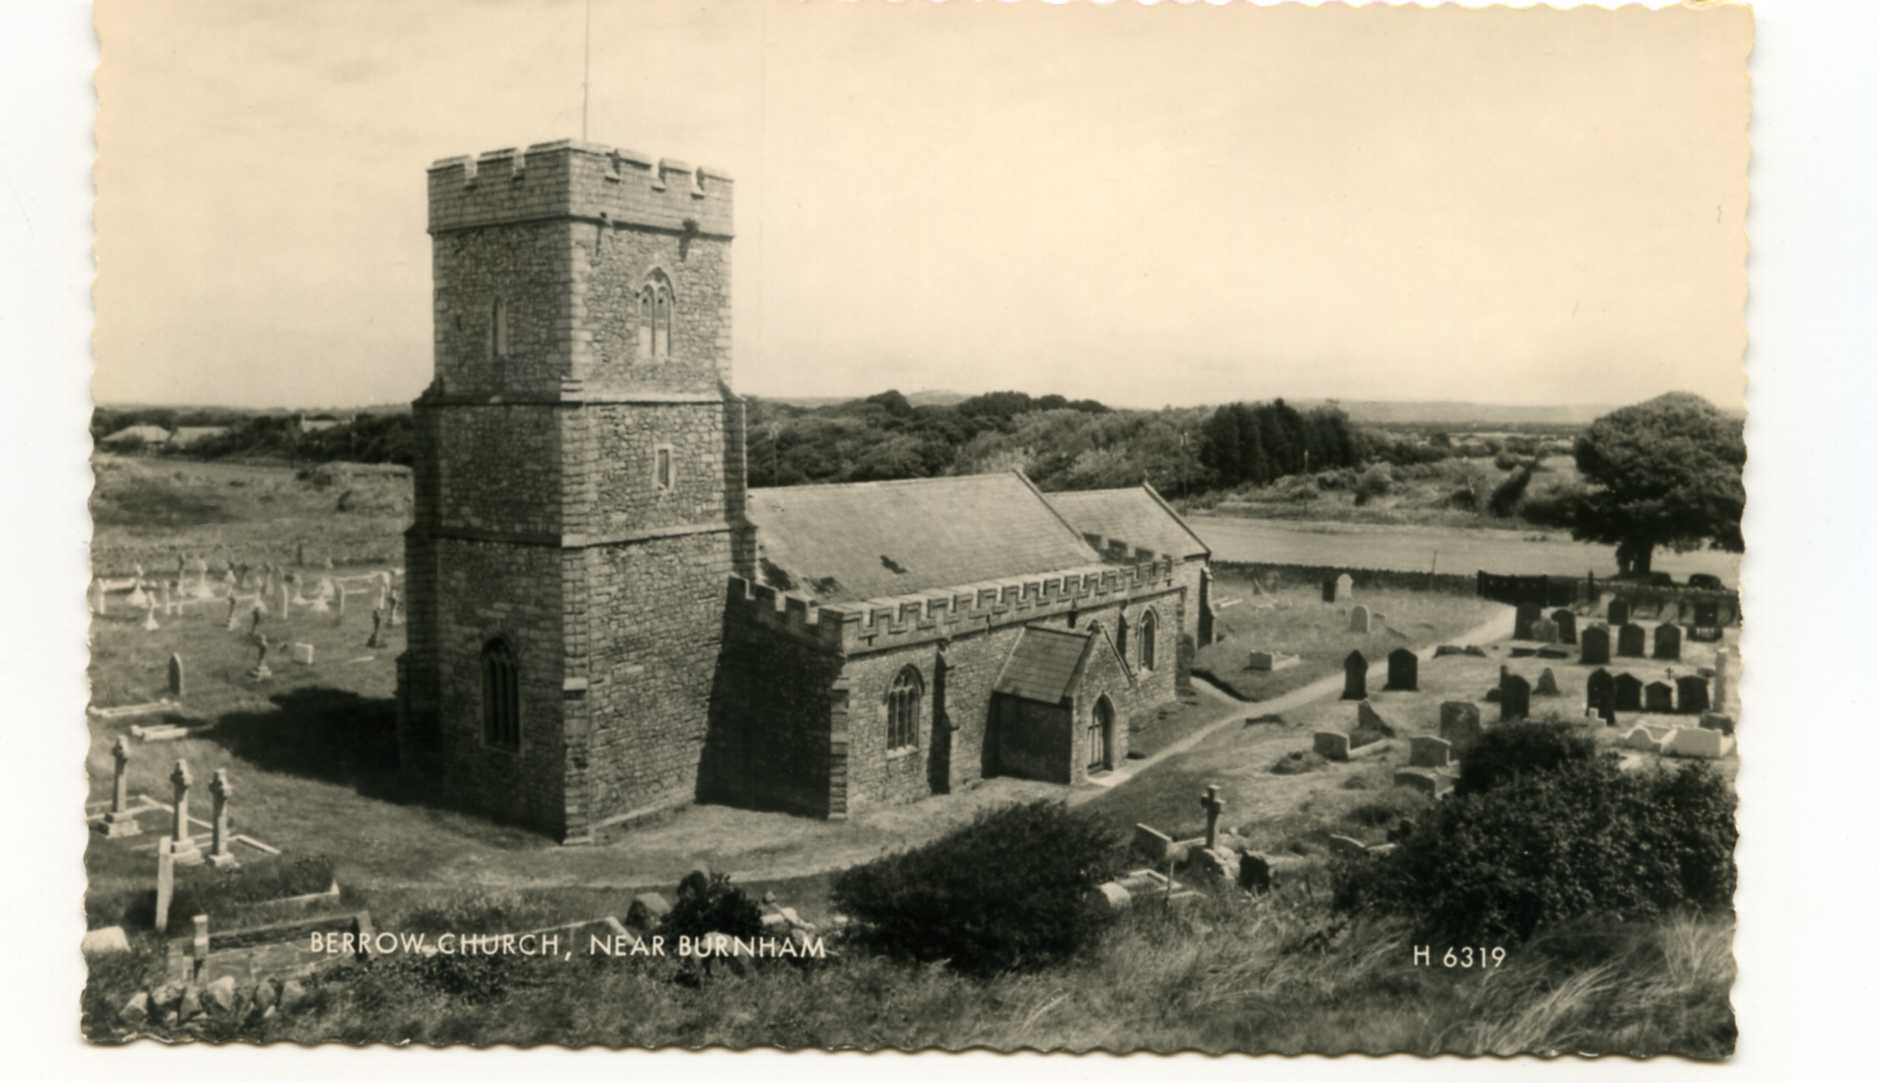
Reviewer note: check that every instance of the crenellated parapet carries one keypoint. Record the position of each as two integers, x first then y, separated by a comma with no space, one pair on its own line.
584,181
901,620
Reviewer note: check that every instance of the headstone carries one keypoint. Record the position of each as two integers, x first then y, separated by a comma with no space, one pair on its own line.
1618,614
1698,741
1515,698
1630,641
219,854
1628,692
1255,873
165,884
1367,718
303,653
394,610
260,610
1567,622
233,623
1330,590
286,601
1548,684
119,822
178,685
1212,806
1331,745
1671,613
1601,696
339,604
1707,614
1523,617
1427,751
1359,619
1346,587
1356,676
1460,725
149,615
1404,671
1659,697
1691,695
1112,896
1544,631
1594,646
260,672
1668,643
378,621
1725,681
1421,780
182,847
1152,845
137,599
109,940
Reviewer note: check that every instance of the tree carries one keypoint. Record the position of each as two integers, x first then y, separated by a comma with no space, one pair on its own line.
1666,472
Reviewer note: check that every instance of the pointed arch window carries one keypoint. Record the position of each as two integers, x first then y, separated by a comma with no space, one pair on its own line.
1145,636
656,302
502,721
903,700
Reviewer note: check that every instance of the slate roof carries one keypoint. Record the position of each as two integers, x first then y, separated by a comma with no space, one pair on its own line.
1135,515
1044,663
849,543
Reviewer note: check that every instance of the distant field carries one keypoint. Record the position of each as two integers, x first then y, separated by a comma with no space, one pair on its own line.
1455,550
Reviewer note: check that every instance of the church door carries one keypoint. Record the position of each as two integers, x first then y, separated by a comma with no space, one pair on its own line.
1101,731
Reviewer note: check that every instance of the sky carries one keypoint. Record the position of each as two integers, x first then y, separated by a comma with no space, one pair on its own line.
1146,206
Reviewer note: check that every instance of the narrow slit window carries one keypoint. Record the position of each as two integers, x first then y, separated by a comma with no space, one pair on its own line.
662,469
502,726
499,329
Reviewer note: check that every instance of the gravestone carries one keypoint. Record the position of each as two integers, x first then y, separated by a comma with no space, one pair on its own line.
286,601
1548,684
259,611
165,884
1724,681
1346,587
1404,671
177,682
1367,718
1356,676
167,599
1659,697
182,847
394,610
1360,619
303,653
1212,806
1601,695
1668,643
260,672
1628,692
1418,780
1630,641
233,623
1515,698
1691,695
1331,745
1460,725
1427,751
1544,631
339,604
119,822
1594,646
1152,844
1567,622
149,615
1618,614
219,854
1330,590
1523,617
1671,613
378,620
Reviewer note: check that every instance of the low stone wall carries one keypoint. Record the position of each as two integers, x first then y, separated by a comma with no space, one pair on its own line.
1313,575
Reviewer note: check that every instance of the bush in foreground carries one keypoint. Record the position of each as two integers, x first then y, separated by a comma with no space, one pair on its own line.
1584,838
1508,752
1008,891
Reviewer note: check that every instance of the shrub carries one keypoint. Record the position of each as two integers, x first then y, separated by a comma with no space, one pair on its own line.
711,904
222,895
1374,482
1507,495
1508,752
1009,890
1587,838
1554,506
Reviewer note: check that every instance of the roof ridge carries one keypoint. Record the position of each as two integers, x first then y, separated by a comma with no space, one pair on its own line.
879,483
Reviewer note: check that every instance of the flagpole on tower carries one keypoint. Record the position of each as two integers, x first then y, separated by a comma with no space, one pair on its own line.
586,70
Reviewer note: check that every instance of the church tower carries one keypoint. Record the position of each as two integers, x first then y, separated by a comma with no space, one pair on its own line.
579,485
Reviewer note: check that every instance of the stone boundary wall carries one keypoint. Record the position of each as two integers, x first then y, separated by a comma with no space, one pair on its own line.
1373,578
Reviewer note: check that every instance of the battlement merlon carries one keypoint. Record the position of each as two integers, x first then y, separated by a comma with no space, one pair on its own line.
899,620
580,181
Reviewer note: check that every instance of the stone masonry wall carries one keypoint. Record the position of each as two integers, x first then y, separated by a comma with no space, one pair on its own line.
528,266
620,444
499,469
770,742
613,263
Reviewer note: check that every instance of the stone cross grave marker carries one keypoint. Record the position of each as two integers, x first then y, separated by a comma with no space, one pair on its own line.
1659,697
260,672
1404,671
182,846
1548,684
1628,692
1356,676
1515,698
220,856
1600,696
1630,641
1567,622
1213,806
149,615
119,822
1691,695
178,681
1668,643
1594,646
1360,619
1618,614
1460,725
1524,615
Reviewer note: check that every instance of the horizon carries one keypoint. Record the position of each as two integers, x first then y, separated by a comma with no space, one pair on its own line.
1494,221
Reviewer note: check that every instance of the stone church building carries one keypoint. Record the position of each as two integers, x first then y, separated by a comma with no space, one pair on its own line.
604,621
